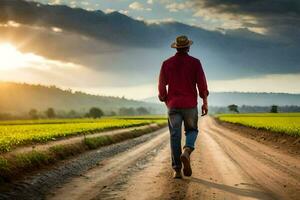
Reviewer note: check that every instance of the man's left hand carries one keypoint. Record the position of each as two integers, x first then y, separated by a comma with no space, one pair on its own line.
204,109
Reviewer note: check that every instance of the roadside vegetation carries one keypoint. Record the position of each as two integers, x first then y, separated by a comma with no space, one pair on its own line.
19,163
23,132
288,123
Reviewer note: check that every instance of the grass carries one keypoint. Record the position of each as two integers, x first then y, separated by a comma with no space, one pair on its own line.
17,133
31,159
96,142
61,152
17,164
288,123
4,166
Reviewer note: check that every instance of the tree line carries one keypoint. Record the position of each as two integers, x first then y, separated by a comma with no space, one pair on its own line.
235,108
93,112
96,112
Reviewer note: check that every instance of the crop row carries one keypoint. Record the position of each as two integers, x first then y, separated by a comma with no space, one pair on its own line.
16,135
282,123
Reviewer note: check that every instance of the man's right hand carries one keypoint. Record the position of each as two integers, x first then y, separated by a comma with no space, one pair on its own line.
204,109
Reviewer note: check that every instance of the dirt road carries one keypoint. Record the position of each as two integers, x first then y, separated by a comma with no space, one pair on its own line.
226,166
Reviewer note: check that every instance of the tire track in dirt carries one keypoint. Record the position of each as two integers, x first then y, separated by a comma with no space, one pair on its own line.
91,183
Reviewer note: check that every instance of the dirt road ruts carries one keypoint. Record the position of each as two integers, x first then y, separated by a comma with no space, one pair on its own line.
226,165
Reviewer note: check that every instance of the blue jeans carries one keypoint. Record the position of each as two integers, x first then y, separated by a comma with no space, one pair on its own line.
190,119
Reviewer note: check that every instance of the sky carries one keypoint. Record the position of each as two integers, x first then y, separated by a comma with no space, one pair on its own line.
247,46
209,14
149,10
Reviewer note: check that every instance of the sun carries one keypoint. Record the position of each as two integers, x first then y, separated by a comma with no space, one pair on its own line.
11,57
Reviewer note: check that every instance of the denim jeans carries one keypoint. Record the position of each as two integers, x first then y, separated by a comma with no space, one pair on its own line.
190,119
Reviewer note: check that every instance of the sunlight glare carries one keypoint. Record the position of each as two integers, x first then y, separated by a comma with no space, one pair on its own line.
11,58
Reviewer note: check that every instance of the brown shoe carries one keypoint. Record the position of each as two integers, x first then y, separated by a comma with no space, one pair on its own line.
177,174
185,159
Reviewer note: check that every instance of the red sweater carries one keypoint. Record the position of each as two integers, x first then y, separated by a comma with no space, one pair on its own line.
181,73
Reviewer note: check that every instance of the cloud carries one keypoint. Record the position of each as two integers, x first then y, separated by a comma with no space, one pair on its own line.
175,7
138,6
277,18
54,2
149,1
124,12
10,24
73,4
123,48
85,3
159,21
139,18
109,10
56,29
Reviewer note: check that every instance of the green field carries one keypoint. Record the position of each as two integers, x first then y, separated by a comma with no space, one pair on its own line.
79,120
288,123
21,132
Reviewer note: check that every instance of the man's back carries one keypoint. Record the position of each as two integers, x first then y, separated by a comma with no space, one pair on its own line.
181,73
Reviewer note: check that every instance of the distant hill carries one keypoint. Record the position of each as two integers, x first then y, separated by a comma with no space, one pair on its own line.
250,99
20,98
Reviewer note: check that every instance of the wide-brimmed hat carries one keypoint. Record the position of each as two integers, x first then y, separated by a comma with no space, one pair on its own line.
182,42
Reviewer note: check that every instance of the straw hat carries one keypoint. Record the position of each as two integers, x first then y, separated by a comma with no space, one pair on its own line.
182,42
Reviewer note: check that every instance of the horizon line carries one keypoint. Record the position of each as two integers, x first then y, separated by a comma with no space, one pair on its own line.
67,89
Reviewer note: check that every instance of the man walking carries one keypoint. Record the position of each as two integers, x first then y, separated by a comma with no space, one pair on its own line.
179,78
